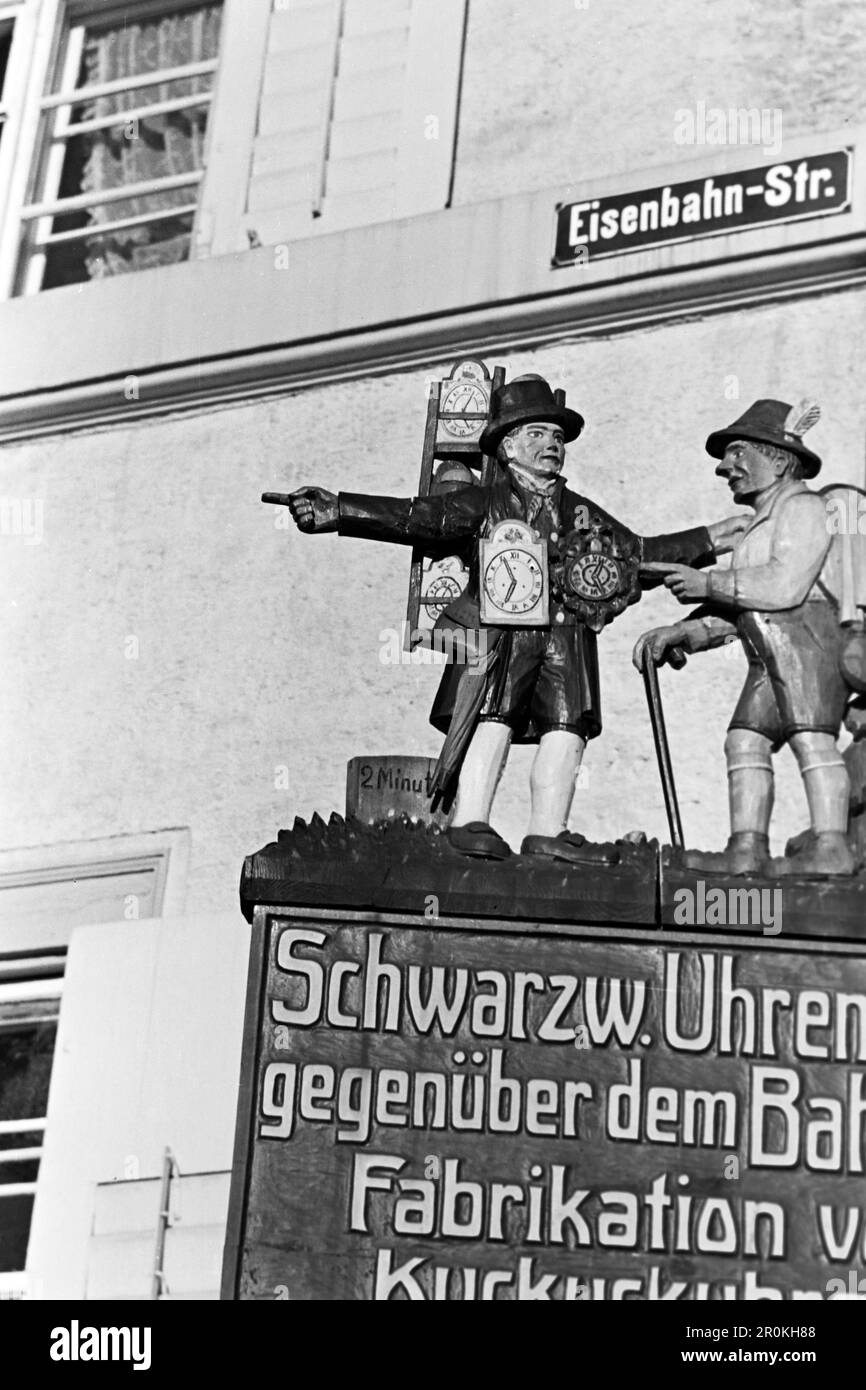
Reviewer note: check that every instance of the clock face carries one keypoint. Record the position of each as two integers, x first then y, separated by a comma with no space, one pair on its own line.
440,593
594,576
460,397
513,581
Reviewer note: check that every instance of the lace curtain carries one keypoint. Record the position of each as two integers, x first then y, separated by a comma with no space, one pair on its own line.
161,145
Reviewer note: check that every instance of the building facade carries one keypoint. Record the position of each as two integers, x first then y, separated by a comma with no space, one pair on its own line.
239,240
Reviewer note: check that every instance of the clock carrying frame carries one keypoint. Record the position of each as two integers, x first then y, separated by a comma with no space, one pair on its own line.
440,447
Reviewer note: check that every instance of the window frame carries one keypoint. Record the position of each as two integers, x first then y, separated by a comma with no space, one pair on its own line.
43,51
21,17
39,1001
31,976
165,851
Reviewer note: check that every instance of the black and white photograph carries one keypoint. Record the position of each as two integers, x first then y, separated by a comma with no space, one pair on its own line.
433,552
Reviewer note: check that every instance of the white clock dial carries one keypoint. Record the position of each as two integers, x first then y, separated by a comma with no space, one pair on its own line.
460,397
513,581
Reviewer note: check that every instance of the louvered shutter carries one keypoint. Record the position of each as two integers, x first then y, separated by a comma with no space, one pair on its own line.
357,116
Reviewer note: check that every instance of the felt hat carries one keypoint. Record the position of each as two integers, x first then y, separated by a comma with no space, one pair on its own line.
523,400
772,422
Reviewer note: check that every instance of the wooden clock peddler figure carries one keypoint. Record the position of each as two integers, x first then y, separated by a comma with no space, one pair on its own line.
547,569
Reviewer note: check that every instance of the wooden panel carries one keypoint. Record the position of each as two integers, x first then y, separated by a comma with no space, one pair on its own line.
268,192
383,787
126,1208
429,123
231,128
122,1248
285,151
440,1113
364,135
300,25
368,52
356,209
197,1199
363,94
372,16
362,174
121,1266
299,70
290,111
193,1258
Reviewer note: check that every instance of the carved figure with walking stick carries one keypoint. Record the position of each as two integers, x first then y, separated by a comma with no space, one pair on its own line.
794,597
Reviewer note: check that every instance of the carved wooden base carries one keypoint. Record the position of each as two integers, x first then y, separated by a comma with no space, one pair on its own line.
829,907
406,866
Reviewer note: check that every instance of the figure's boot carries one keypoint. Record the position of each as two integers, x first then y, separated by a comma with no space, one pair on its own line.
828,791
747,852
827,853
750,799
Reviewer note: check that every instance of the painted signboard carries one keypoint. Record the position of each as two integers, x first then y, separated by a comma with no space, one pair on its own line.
451,1110
813,186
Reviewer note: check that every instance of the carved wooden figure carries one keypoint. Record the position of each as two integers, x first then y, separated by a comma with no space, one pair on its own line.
794,596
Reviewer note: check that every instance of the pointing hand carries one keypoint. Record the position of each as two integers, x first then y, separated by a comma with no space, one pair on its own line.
314,509
686,584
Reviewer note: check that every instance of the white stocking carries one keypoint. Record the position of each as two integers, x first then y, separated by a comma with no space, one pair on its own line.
825,776
552,781
480,773
750,781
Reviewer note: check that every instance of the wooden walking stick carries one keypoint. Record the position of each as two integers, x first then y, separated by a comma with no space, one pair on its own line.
660,738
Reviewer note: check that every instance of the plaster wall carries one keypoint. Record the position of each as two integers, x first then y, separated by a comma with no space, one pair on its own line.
596,87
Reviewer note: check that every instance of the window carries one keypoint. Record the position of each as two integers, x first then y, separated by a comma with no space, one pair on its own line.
120,142
142,134
28,1024
44,894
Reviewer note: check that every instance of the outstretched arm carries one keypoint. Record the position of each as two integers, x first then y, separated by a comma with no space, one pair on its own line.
405,521
699,546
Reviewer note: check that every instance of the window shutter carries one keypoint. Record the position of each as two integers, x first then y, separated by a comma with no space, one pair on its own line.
358,113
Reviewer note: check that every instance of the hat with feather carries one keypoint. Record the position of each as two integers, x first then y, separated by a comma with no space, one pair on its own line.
773,422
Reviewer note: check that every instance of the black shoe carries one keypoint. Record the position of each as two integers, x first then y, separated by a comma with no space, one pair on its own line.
477,839
570,846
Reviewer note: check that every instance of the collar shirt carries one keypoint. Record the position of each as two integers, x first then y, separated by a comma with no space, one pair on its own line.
540,503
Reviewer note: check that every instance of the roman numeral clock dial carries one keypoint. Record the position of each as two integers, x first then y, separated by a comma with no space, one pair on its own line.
514,586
